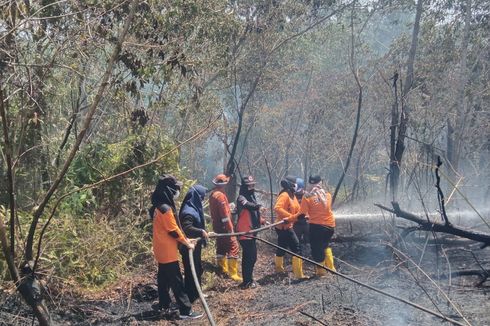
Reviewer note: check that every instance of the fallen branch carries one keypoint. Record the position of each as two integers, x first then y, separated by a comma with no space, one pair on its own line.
410,303
312,317
425,225
483,275
400,253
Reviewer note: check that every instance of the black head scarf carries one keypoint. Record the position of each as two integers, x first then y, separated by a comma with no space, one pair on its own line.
249,194
164,193
288,185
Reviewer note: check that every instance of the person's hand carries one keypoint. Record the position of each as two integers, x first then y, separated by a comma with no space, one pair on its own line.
205,235
211,234
285,220
191,243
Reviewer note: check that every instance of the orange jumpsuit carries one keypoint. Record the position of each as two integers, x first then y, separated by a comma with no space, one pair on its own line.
219,208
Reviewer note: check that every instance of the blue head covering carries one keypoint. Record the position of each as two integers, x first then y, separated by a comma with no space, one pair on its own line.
192,205
300,184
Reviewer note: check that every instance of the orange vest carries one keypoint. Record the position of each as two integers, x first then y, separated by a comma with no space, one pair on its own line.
164,245
244,223
286,207
219,208
317,211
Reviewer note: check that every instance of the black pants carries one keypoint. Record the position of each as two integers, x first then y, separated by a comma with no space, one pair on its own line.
249,257
169,276
302,230
320,236
287,239
189,285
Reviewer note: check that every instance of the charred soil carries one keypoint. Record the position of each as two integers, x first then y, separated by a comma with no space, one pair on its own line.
279,299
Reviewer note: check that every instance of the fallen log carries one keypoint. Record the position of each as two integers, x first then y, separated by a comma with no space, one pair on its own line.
425,225
483,275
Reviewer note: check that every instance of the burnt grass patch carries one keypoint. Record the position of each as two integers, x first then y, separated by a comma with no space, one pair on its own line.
279,299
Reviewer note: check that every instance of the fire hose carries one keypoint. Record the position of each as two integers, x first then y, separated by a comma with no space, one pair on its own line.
248,235
193,268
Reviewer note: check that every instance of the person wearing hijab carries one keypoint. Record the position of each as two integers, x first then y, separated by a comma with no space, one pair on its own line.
166,236
287,211
301,226
248,219
193,224
317,204
227,249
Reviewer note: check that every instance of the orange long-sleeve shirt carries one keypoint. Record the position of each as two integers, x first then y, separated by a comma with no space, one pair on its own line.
317,211
286,207
219,208
164,244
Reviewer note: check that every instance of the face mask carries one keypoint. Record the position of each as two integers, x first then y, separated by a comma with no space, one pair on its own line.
251,188
294,188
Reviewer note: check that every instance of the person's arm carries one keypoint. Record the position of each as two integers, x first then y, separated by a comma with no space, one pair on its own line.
281,207
303,209
248,204
170,225
225,213
187,222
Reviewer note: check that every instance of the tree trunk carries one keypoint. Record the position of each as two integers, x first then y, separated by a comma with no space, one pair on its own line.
431,226
359,106
101,90
394,168
455,131
400,142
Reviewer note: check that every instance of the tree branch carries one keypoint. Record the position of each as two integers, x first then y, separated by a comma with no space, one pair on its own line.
425,225
103,85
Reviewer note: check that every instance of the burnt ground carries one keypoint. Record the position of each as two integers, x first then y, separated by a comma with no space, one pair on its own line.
363,250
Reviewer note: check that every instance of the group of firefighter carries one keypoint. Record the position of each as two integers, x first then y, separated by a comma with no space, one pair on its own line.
300,214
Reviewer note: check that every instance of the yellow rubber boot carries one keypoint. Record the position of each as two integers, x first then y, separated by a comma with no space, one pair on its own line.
223,264
279,262
320,271
233,270
329,259
298,268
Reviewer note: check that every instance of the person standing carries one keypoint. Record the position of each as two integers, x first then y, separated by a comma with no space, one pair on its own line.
226,247
248,219
193,224
317,204
166,236
301,226
287,210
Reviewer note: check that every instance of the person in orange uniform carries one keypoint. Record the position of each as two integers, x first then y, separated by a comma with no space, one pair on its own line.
317,204
248,219
226,247
166,236
287,210
301,226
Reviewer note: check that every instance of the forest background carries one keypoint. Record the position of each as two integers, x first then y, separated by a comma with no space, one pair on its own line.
99,98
